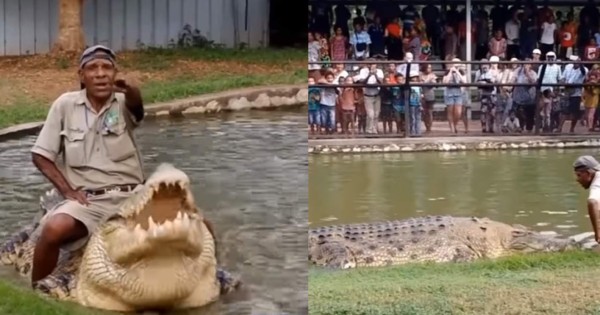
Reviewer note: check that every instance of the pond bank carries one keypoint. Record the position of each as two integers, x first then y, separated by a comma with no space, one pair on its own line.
536,284
260,98
444,144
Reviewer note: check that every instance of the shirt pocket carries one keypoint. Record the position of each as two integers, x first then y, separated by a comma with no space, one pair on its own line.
74,146
118,144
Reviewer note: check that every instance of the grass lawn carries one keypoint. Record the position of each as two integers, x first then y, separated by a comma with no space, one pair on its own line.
537,284
20,301
29,84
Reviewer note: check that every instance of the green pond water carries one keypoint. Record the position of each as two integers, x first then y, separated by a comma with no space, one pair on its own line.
536,188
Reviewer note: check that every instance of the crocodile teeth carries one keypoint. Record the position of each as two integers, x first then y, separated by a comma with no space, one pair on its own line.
179,215
185,222
160,231
168,227
151,224
139,232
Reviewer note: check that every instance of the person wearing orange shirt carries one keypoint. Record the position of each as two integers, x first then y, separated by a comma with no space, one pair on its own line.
391,73
393,39
568,31
462,37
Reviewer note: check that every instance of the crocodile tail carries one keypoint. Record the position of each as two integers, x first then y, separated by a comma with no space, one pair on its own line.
227,281
12,249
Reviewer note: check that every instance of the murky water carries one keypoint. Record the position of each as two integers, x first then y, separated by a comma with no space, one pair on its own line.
249,175
533,188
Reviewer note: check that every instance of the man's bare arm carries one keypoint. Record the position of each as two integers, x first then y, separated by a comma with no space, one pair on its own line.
133,99
594,213
53,174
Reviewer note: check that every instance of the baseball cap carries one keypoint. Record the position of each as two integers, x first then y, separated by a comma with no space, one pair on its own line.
537,51
494,59
586,162
573,58
550,53
91,53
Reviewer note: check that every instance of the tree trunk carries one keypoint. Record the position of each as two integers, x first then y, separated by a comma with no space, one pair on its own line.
70,30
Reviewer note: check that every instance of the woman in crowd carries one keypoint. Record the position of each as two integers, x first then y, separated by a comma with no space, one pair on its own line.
453,96
497,46
339,45
314,55
427,76
414,43
524,96
549,33
504,93
591,96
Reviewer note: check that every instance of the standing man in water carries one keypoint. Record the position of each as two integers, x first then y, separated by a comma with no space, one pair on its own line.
92,130
587,170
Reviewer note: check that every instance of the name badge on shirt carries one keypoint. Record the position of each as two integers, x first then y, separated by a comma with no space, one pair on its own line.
111,120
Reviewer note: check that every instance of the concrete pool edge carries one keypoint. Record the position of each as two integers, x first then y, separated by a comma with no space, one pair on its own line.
253,98
445,144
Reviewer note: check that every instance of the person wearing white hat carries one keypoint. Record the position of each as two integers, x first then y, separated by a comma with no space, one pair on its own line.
552,74
453,96
401,68
514,66
536,56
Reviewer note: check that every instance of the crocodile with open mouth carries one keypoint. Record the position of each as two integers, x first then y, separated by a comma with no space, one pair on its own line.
157,252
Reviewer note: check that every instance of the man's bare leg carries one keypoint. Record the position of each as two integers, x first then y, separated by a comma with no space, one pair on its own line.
60,229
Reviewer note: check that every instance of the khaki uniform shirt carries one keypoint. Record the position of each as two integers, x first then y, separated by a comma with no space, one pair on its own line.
98,150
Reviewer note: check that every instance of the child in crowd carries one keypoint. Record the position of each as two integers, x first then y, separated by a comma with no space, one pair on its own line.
328,101
415,106
545,108
497,45
314,117
348,98
511,123
398,103
387,109
361,111
324,50
338,102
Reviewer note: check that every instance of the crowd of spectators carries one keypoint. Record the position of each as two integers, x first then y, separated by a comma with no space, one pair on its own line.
520,32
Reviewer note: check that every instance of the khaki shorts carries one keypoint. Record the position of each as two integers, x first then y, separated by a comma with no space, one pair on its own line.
100,209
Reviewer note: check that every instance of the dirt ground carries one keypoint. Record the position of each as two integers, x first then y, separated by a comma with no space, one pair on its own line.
42,78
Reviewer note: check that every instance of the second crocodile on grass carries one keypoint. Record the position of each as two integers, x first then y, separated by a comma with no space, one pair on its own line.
425,239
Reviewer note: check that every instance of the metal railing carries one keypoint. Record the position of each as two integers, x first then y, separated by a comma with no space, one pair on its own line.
407,84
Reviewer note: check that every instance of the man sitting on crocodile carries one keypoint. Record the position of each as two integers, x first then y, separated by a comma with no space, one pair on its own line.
155,252
100,166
